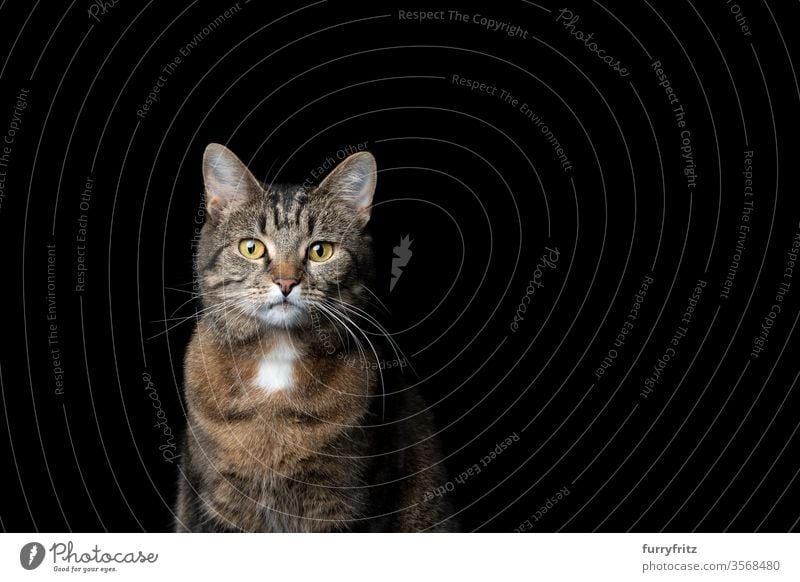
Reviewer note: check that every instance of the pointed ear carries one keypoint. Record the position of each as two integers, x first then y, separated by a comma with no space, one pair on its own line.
228,181
354,181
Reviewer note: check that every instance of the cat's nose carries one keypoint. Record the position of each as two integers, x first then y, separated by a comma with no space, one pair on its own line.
286,285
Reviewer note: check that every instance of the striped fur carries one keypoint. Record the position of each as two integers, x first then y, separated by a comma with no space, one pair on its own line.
331,451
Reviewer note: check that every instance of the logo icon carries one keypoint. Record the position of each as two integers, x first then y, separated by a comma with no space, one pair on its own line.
402,254
31,555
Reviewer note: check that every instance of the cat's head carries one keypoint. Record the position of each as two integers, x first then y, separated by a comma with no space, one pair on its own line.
283,257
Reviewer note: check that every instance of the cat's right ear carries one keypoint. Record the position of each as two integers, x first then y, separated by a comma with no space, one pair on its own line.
228,181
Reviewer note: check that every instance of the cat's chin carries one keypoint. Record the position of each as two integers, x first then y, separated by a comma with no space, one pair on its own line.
282,315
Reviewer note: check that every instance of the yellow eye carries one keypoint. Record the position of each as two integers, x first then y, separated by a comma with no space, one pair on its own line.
319,252
252,248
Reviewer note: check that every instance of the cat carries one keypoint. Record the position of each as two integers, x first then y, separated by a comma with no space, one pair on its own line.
294,423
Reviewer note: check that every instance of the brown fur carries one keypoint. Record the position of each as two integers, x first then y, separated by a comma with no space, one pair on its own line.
330,453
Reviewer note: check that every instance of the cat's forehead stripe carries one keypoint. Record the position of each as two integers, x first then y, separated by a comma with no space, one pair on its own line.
301,199
287,207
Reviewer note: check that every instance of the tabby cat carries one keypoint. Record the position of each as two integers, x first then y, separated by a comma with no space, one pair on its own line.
295,423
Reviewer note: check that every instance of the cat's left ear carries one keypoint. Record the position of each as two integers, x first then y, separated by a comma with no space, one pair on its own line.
354,180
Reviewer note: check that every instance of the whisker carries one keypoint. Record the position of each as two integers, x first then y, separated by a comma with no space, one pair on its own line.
328,309
398,352
211,310
378,299
374,351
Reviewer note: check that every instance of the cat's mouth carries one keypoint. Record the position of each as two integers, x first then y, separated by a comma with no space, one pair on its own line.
281,312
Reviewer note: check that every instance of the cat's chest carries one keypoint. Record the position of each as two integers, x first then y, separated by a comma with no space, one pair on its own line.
277,369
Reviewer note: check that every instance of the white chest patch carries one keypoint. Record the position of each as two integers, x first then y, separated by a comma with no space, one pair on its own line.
276,370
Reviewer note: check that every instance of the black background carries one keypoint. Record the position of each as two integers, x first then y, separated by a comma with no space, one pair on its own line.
477,187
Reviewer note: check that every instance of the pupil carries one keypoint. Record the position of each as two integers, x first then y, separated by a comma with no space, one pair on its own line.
251,247
318,250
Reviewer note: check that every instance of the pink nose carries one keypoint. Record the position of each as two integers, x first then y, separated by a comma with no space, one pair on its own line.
286,285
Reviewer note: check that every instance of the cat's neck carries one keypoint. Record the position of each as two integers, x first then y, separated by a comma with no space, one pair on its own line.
319,343
277,375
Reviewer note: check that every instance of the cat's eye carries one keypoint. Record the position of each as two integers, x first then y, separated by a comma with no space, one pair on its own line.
252,248
319,252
